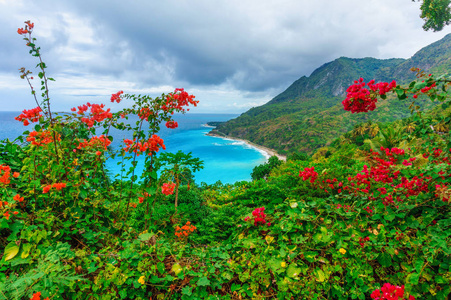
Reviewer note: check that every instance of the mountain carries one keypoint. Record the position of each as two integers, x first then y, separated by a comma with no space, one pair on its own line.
309,113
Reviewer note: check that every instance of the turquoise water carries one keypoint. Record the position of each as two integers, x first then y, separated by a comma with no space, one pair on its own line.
225,160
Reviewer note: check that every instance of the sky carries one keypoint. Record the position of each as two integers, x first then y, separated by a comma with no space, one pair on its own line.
232,55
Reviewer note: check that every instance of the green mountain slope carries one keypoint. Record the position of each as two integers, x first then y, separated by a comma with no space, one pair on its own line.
309,113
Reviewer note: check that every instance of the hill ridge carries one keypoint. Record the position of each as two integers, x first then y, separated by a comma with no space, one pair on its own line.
308,114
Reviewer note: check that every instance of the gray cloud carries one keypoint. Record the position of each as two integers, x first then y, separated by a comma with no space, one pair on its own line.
253,48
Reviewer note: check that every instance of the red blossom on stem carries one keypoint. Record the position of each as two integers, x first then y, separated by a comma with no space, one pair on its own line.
116,97
31,115
172,124
168,188
97,113
39,138
362,99
259,217
153,144
309,173
390,292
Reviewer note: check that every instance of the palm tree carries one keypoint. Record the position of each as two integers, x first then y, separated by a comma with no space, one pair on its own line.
410,127
374,129
359,129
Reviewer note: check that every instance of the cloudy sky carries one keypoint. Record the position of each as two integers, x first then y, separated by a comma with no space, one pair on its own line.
232,54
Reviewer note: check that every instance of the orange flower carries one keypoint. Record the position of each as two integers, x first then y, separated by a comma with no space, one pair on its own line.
16,174
46,189
59,186
22,31
37,296
18,198
6,215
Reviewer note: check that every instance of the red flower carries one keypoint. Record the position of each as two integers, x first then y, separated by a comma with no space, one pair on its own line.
172,124
46,189
168,188
22,31
361,99
116,97
32,115
18,198
59,186
37,296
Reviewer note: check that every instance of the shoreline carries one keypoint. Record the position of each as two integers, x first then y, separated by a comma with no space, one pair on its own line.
270,152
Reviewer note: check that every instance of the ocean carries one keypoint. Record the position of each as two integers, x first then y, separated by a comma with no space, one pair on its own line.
224,160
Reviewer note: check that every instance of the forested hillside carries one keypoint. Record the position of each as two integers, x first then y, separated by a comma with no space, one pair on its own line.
309,114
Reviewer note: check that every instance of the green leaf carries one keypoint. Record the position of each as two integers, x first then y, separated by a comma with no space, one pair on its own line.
401,94
420,85
390,217
26,250
186,291
419,265
320,276
176,268
11,251
145,236
203,281
384,259
160,267
293,270
413,278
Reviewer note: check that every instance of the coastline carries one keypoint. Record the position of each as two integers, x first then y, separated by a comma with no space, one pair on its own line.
268,151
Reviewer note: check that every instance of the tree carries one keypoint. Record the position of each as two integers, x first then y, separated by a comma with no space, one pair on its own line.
435,13
263,170
178,167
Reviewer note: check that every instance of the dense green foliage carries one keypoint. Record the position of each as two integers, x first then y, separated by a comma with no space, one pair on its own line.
263,170
309,115
371,208
436,14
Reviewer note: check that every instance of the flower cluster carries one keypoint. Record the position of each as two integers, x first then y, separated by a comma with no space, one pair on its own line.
153,144
96,142
18,198
185,230
172,124
362,241
442,192
31,115
346,208
4,204
309,173
390,292
98,114
28,28
116,97
145,195
37,296
40,138
5,172
57,186
259,217
362,99
168,188
178,99
144,113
